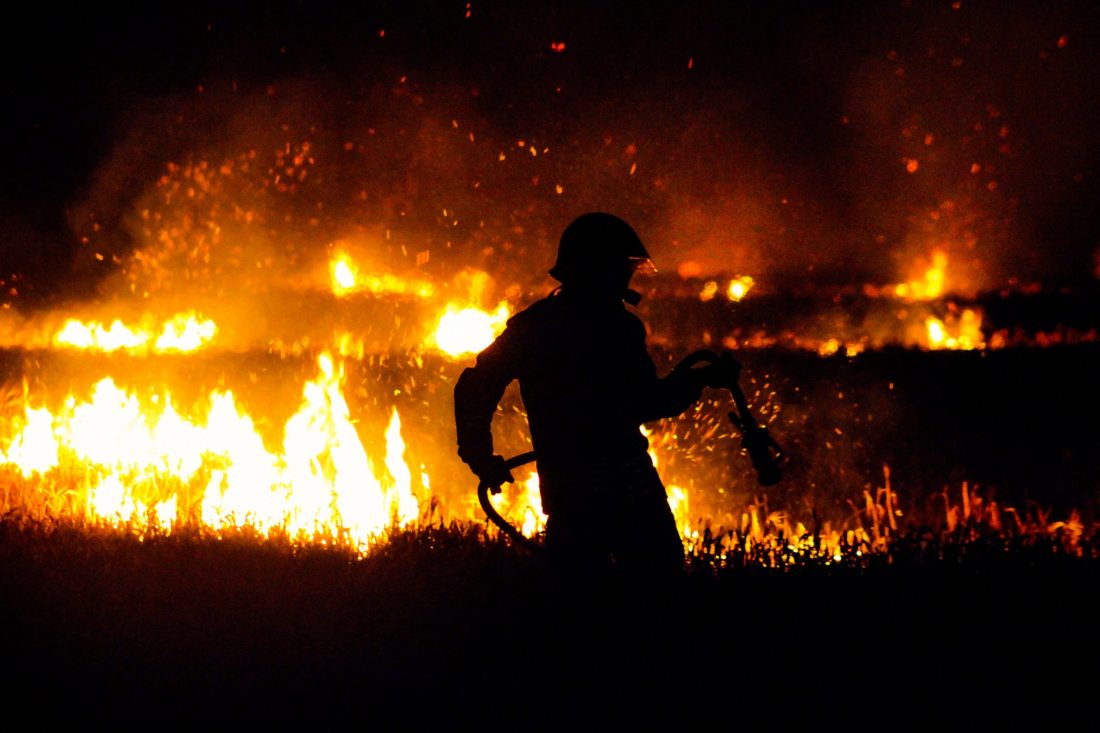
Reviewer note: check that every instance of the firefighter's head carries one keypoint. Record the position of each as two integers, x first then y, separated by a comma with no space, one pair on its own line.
598,254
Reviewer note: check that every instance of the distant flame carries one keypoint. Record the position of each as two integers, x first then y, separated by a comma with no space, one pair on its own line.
930,285
184,332
346,278
739,287
735,289
468,330
94,336
343,275
963,333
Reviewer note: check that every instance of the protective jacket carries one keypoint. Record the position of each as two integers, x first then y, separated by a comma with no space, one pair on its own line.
588,384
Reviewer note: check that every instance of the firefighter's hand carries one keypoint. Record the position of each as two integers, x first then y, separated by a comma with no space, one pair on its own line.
492,472
722,373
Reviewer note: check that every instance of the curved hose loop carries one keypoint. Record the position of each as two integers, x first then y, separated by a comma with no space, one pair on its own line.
763,450
503,524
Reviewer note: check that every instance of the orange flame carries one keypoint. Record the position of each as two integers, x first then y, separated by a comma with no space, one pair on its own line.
128,450
346,278
963,333
468,330
184,332
736,289
930,285
739,287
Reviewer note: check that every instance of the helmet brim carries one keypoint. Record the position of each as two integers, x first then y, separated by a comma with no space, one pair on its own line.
642,265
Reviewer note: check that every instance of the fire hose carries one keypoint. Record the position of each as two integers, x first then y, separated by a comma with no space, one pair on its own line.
505,526
765,453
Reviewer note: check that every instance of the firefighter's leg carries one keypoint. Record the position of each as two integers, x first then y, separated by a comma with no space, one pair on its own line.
647,545
577,543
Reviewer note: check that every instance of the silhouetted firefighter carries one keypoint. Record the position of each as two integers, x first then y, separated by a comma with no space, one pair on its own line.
588,384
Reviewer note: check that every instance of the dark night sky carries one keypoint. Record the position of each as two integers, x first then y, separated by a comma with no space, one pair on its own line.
774,136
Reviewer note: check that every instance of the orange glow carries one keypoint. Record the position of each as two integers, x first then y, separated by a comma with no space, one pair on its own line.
739,287
468,330
929,284
346,278
343,275
962,333
521,503
736,289
185,332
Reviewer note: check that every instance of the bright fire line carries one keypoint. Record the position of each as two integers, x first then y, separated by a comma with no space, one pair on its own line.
138,459
468,330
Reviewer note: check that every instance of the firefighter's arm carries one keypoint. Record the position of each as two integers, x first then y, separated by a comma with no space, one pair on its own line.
671,395
656,397
685,384
477,393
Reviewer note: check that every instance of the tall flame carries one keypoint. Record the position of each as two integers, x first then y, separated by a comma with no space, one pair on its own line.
138,458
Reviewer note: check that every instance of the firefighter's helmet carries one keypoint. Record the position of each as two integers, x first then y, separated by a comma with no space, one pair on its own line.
596,244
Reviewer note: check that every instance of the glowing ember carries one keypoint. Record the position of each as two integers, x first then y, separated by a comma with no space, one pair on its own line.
184,332
463,331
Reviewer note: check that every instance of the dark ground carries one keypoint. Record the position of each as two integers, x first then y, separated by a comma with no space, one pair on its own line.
441,628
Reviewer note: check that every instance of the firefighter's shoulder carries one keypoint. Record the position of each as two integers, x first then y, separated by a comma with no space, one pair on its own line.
534,315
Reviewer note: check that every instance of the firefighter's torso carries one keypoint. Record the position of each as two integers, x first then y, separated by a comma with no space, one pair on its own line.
580,375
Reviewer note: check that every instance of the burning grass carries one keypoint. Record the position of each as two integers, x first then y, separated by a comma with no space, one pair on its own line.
305,446
873,536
